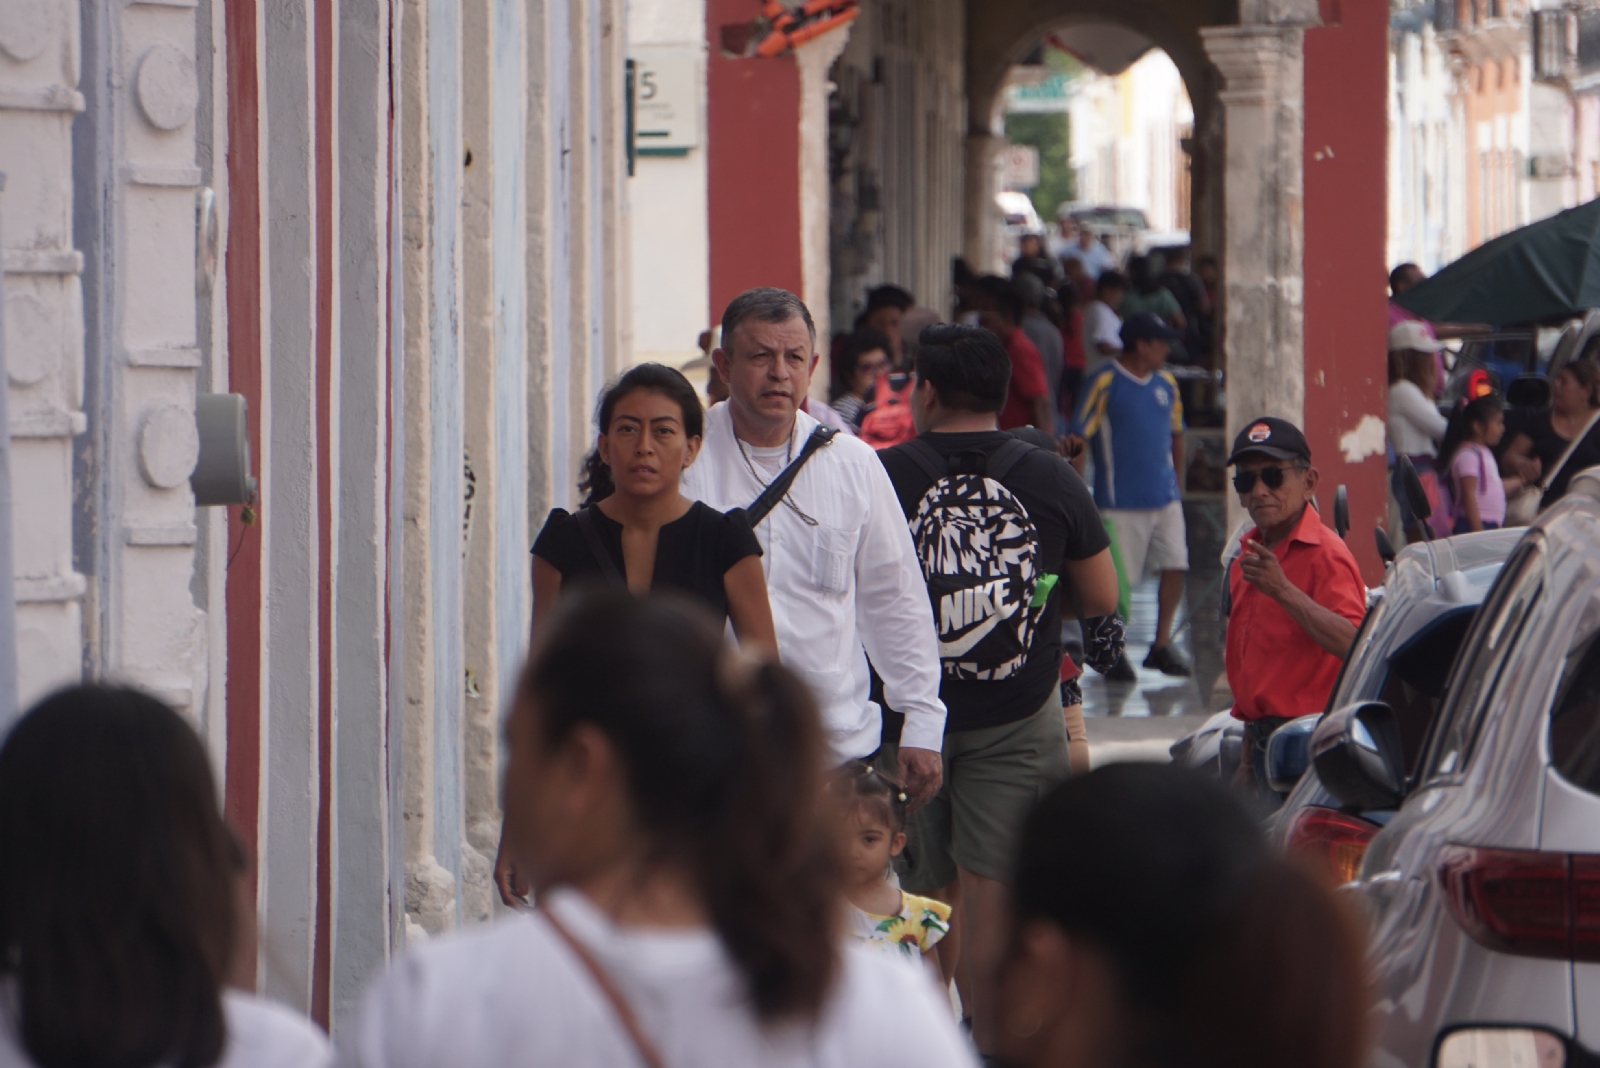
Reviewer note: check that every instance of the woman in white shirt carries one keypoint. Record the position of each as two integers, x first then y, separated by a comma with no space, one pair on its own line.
662,795
118,913
1416,425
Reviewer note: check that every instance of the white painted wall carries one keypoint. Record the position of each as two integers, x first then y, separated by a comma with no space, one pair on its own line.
1426,180
1125,134
667,211
39,98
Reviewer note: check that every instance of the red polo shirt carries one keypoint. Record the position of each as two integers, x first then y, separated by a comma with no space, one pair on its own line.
1027,382
1274,667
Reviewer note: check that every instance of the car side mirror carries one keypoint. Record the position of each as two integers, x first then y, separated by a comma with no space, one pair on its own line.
1341,510
1289,753
1533,1046
1358,756
1386,551
1529,393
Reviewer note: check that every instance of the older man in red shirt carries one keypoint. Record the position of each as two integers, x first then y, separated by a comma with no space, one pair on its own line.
1297,593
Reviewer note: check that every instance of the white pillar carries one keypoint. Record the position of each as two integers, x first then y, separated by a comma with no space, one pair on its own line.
39,98
1263,253
290,535
814,59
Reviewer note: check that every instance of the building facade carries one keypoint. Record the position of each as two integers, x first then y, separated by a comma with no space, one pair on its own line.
396,231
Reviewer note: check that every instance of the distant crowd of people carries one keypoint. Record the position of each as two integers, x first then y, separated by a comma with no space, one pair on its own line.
1481,463
761,850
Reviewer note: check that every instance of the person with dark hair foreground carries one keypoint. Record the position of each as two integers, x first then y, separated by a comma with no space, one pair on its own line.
119,920
1154,928
664,796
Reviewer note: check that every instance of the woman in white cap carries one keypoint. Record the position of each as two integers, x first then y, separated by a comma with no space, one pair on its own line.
1416,425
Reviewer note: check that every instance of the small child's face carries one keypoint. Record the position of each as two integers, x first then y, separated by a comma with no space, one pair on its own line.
1494,428
869,847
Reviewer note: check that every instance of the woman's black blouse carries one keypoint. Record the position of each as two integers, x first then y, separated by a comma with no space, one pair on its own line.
693,552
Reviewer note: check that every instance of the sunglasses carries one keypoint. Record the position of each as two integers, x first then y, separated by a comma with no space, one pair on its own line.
1245,481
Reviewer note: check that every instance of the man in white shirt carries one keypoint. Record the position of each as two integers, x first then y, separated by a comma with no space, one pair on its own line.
842,573
1095,257
1102,327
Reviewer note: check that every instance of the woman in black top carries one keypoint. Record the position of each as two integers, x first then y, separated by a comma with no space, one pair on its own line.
1536,448
636,528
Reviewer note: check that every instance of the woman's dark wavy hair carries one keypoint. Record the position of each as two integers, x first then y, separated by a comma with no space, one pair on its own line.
1167,876
724,757
864,340
1458,431
596,484
117,912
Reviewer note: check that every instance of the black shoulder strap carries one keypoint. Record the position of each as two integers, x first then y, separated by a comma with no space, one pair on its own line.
1006,457
820,438
927,457
597,548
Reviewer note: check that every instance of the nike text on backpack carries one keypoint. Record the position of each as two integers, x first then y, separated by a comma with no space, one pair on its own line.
979,551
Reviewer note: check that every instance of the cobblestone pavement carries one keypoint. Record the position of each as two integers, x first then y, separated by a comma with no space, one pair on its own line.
1138,720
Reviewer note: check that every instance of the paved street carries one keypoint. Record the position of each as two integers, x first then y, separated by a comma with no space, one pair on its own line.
1139,720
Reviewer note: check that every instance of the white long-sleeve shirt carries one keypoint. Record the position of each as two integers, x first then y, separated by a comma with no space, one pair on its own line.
851,581
1415,425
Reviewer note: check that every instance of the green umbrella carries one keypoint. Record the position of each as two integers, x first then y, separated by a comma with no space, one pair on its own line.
1548,270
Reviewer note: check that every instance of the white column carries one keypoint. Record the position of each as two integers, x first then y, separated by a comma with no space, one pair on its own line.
39,74
815,58
1263,253
290,536
361,844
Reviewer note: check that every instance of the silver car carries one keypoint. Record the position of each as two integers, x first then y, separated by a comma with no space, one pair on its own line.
1484,888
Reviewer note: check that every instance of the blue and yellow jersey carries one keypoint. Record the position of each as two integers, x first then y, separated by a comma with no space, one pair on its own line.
1129,425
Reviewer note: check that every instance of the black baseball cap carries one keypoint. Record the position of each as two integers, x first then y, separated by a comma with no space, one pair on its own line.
1147,326
1270,436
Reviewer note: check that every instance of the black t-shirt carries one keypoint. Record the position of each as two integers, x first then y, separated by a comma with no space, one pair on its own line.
693,552
1063,512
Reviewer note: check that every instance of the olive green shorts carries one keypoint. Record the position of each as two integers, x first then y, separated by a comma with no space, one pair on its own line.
993,777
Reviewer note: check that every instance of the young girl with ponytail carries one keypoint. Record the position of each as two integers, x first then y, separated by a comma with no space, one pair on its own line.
663,802
1478,493
636,530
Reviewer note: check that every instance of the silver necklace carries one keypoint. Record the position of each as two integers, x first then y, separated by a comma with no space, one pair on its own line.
788,452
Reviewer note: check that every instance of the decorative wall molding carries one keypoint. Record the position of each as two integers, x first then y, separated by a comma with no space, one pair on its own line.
173,177
51,590
48,423
177,534
42,98
43,261
161,356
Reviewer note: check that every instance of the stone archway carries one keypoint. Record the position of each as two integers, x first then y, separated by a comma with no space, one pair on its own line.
998,36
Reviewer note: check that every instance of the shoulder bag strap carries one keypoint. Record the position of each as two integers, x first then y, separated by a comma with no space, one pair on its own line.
597,548
1008,456
630,1023
1572,447
927,457
820,438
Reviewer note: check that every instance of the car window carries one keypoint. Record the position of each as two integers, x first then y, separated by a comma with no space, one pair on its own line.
1575,714
1483,657
1364,659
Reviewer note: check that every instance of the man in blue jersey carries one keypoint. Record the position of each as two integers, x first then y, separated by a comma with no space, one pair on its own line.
1133,421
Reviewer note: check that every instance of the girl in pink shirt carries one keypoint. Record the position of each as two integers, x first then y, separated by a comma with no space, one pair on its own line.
1477,490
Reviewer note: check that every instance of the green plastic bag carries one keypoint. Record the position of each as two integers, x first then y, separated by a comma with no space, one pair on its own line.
1124,590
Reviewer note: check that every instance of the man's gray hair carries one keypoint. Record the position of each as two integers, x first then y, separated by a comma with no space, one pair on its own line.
766,304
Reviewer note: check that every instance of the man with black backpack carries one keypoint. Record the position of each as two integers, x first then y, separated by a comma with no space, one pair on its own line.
1004,531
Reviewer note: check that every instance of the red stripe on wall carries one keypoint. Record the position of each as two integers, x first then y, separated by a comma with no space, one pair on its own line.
1346,317
322,58
752,164
243,269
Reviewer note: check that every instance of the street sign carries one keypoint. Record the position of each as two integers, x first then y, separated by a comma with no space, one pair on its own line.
666,117
1019,167
1049,95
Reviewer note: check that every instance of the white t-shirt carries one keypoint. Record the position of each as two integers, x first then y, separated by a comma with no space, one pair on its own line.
512,993
1101,325
261,1034
1415,425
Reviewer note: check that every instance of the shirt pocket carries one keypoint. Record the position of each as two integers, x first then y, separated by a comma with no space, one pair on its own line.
832,557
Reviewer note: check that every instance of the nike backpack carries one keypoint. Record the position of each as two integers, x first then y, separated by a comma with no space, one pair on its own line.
979,552
888,422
